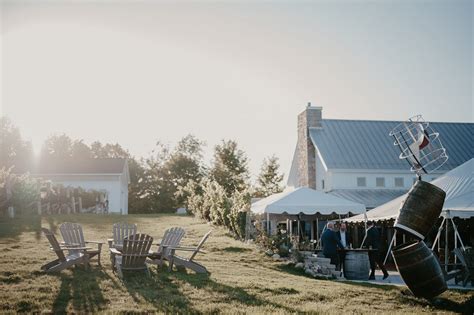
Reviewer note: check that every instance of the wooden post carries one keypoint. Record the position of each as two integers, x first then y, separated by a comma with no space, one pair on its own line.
80,204
11,212
312,230
48,208
39,207
73,203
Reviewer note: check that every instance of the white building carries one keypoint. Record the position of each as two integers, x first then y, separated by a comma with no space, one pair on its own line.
109,175
356,159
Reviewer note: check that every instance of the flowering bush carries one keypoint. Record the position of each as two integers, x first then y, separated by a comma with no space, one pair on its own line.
208,200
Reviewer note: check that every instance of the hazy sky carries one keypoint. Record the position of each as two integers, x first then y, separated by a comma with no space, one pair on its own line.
137,72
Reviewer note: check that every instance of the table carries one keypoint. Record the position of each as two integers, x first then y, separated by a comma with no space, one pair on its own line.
356,263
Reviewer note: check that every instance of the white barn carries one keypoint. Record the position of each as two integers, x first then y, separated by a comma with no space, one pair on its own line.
356,159
110,175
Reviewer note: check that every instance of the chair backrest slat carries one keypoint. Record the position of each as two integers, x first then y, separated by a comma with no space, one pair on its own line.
54,243
72,235
172,237
122,230
135,249
201,243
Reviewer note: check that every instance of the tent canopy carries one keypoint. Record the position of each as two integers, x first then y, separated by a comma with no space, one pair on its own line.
306,201
458,185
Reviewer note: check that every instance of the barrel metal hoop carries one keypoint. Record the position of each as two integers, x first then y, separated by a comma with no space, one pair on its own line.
401,226
418,261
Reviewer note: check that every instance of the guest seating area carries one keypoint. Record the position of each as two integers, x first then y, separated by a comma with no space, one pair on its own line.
129,250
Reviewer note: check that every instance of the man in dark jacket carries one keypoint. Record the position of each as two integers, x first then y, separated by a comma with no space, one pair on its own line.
373,241
330,243
344,236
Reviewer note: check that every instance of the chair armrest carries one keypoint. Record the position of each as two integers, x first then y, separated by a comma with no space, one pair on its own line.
115,251
69,244
187,249
72,248
94,242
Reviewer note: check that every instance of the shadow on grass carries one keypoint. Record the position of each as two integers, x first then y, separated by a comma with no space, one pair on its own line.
233,249
404,296
82,288
12,228
229,293
384,287
158,289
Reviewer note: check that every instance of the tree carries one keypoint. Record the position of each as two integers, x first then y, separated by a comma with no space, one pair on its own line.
136,190
80,150
169,170
269,180
57,146
230,168
14,151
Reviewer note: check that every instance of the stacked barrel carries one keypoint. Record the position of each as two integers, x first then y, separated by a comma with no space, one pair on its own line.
418,266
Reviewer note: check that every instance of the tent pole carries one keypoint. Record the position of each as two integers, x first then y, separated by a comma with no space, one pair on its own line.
438,235
390,246
299,230
446,249
455,243
268,223
317,231
456,234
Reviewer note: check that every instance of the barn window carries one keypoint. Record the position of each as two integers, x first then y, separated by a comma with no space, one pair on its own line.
380,182
361,182
399,182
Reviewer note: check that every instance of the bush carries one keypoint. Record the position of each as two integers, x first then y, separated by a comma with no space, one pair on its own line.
209,201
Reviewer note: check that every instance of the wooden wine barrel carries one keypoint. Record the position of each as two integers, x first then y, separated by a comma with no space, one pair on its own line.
356,265
420,269
421,209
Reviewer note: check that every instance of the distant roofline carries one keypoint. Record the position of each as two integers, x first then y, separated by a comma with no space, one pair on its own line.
76,174
394,121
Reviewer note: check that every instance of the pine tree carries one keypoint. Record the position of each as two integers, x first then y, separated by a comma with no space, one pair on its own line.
269,180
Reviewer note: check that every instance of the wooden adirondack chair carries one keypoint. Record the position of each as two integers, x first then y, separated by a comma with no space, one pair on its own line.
79,255
172,237
466,258
189,262
120,231
73,236
134,253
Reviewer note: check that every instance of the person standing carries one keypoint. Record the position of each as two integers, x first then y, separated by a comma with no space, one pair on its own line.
372,241
330,243
343,236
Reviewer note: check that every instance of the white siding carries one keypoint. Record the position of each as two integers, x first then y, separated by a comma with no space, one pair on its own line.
348,180
110,183
322,174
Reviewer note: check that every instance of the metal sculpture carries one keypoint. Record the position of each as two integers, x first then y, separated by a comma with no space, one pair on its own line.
421,147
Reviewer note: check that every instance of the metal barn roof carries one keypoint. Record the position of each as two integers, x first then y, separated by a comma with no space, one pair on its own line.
371,198
71,166
366,144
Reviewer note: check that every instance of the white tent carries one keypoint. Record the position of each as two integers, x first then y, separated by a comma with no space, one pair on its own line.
306,201
458,185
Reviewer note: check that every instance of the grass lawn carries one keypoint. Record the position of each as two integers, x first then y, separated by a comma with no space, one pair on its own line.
241,279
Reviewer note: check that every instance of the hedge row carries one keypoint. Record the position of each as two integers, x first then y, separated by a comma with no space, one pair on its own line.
208,200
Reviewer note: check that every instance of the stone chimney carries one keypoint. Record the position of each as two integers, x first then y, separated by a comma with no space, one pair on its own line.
309,118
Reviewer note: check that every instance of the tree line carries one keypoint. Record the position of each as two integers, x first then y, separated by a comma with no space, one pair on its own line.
169,178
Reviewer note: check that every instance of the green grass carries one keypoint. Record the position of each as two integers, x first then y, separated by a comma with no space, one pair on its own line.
241,280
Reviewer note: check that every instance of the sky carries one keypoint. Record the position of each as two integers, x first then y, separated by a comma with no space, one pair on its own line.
146,71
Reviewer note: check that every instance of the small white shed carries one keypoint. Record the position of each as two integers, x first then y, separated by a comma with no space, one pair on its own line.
110,175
